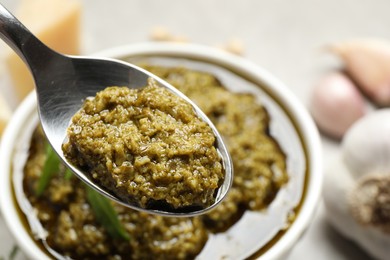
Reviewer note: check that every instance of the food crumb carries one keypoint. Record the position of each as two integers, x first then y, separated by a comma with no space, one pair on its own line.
235,46
160,33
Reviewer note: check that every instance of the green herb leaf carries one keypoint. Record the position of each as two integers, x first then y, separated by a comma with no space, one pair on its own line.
13,253
106,214
50,168
103,210
68,174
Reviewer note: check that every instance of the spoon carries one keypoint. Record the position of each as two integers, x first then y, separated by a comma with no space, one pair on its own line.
62,82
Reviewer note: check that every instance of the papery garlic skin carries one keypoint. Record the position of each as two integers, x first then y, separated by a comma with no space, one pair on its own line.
369,201
366,147
367,61
336,104
362,158
338,183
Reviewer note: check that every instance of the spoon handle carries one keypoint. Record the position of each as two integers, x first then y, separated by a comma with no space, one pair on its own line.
22,41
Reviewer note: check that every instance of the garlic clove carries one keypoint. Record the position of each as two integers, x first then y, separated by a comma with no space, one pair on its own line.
337,183
366,145
368,63
336,104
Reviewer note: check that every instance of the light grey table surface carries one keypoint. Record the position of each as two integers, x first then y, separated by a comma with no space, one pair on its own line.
286,37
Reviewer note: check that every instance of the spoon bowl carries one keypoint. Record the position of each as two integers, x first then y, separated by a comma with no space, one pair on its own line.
63,82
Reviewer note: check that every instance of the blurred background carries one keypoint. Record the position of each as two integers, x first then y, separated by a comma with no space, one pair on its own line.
286,37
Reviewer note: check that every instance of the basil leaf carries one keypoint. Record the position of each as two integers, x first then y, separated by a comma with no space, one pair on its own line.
13,253
103,210
106,214
50,168
68,174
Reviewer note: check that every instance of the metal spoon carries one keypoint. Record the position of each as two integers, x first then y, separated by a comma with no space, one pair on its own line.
63,82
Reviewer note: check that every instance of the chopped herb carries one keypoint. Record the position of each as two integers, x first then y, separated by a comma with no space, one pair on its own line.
68,174
106,214
14,252
103,210
50,168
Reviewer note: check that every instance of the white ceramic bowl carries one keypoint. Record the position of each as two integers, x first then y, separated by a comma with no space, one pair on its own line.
291,126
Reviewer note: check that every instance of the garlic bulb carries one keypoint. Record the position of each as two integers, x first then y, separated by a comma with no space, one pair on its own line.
336,104
368,63
357,185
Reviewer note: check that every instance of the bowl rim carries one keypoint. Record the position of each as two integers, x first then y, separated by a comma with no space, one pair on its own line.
303,121
10,214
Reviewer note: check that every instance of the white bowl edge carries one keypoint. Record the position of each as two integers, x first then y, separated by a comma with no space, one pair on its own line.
10,214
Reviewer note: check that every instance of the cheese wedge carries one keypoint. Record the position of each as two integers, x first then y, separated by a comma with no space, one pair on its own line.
5,114
56,23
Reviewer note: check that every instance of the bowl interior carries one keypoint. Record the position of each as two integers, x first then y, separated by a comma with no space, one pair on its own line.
270,232
255,231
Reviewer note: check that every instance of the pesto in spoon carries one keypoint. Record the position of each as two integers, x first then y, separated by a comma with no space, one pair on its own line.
63,82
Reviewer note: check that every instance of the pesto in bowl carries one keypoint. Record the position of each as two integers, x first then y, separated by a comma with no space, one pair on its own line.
259,222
